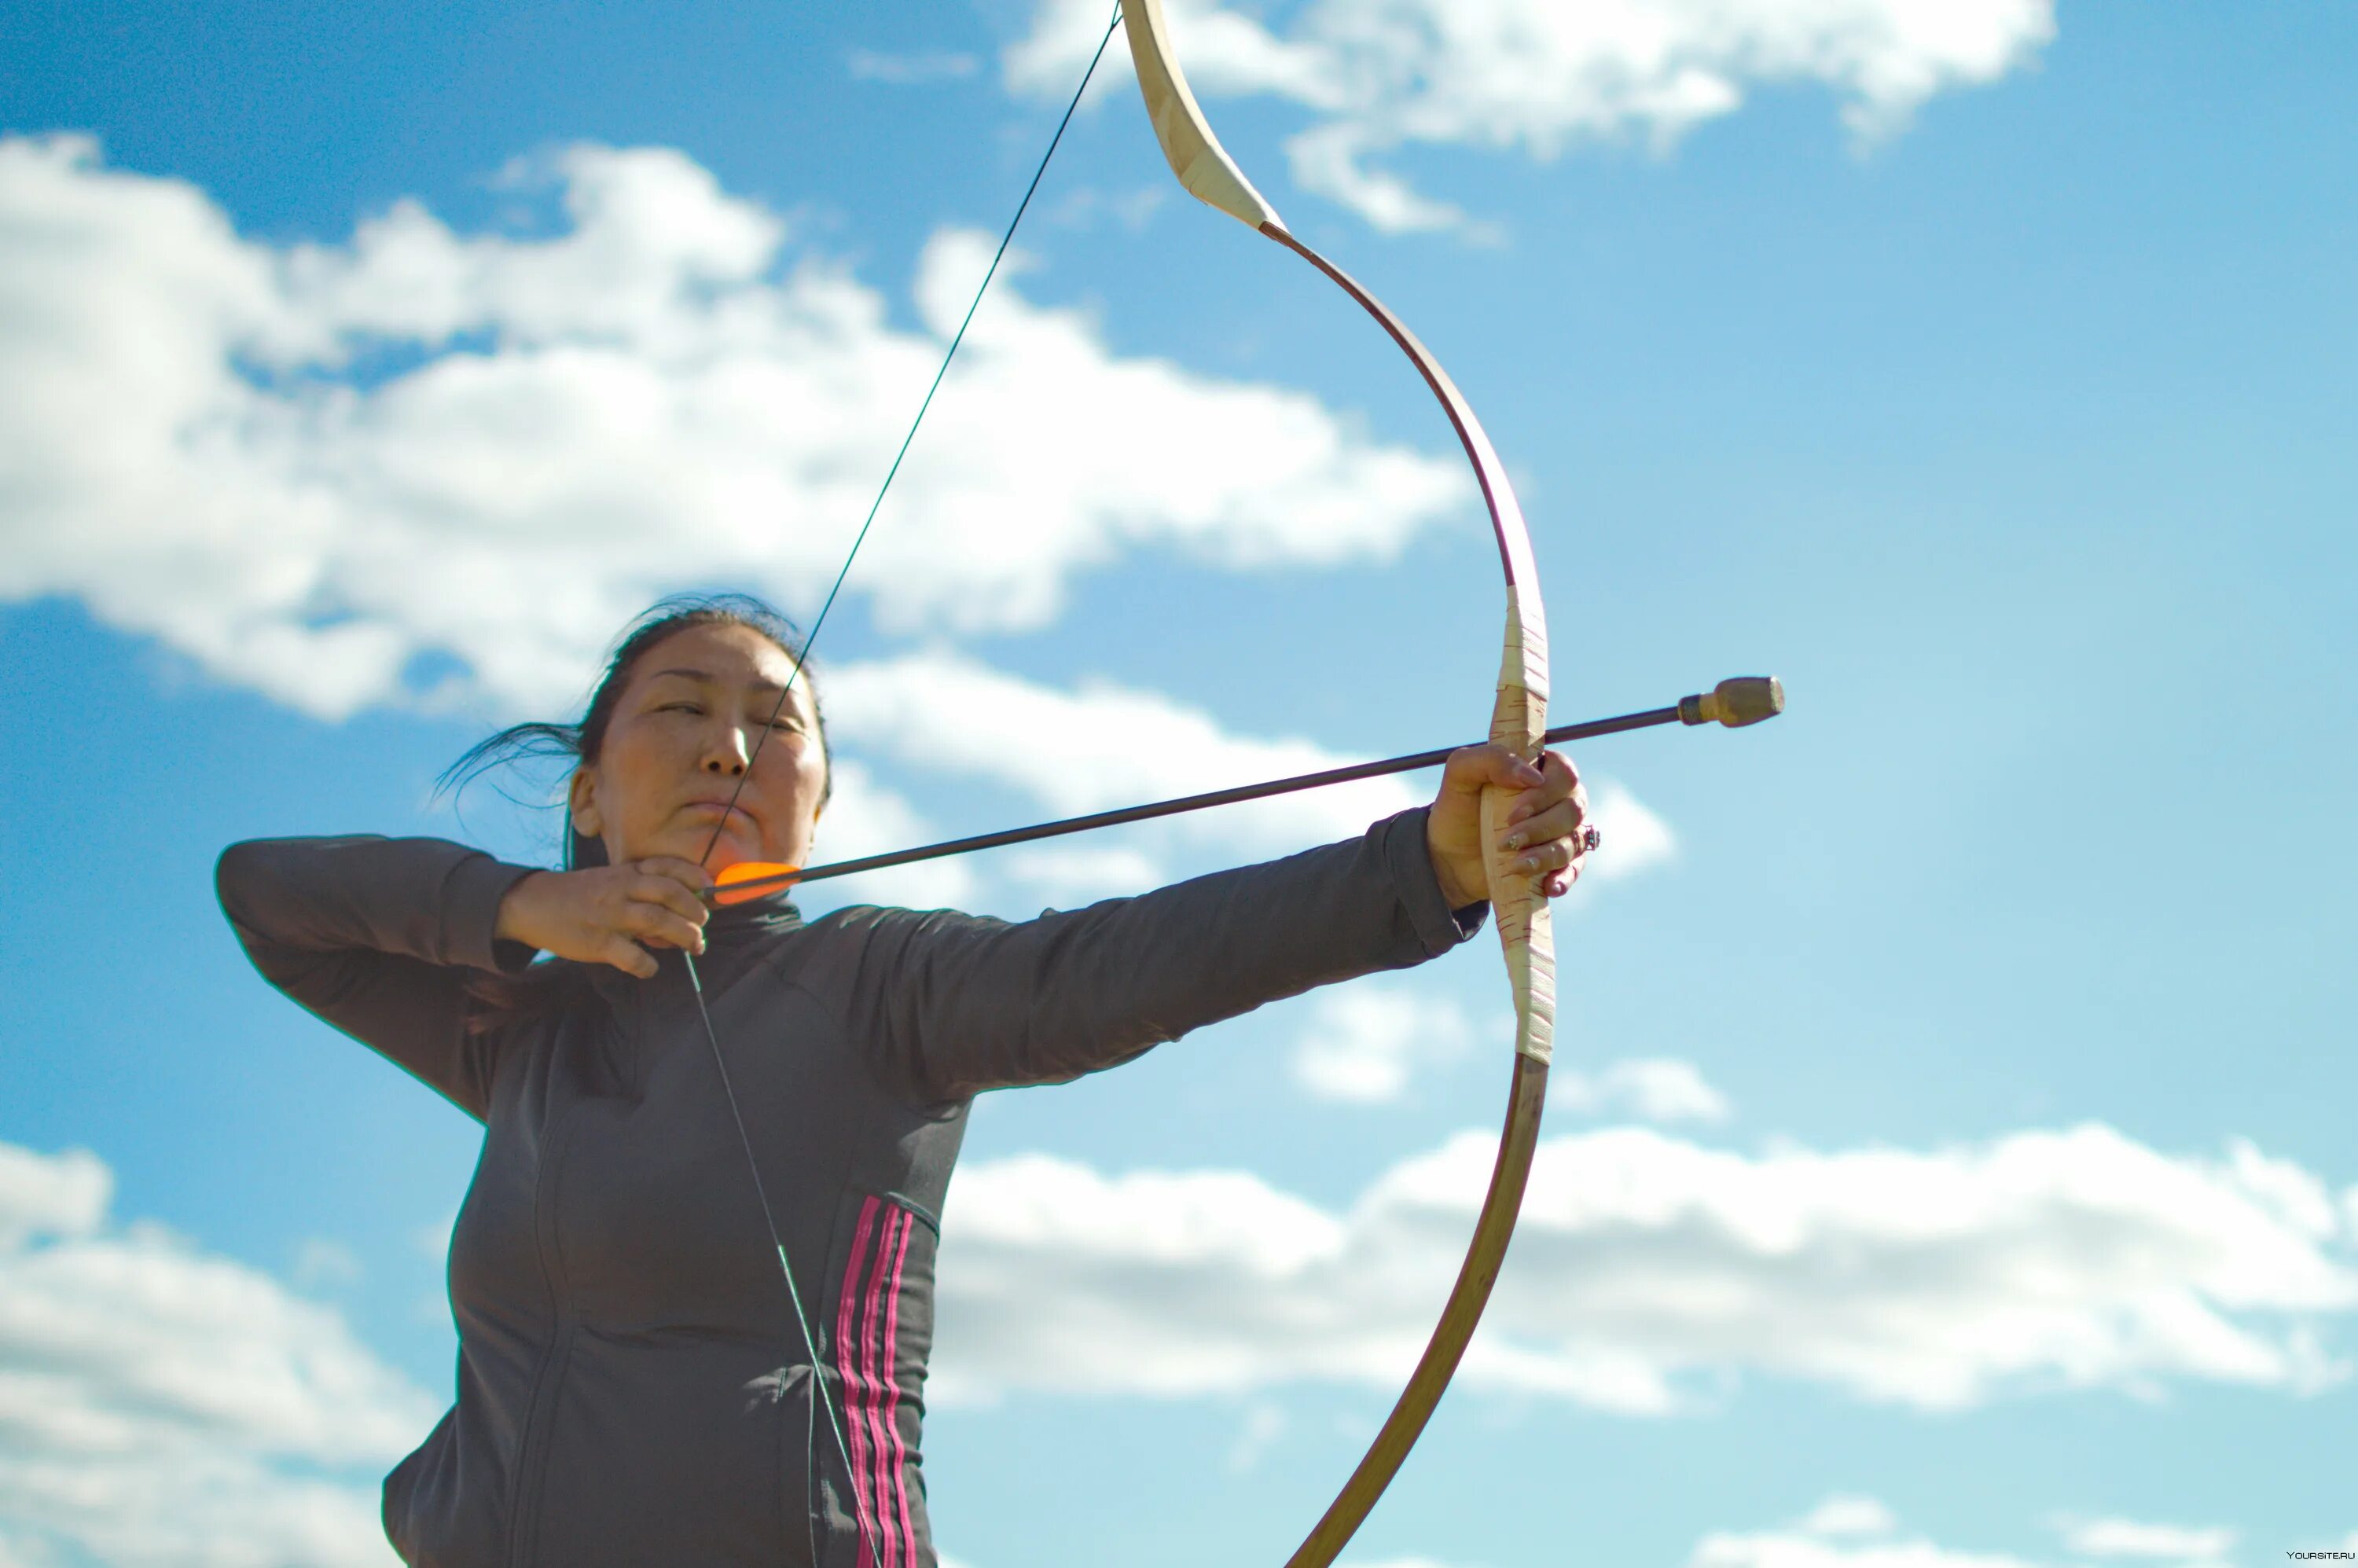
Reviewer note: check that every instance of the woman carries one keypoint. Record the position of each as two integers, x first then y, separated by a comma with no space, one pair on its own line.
633,1388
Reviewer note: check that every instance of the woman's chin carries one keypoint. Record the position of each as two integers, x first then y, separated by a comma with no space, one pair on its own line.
699,847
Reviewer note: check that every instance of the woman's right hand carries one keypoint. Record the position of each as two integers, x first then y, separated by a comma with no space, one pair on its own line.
609,915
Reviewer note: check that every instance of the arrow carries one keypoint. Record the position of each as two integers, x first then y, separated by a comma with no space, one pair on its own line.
1735,702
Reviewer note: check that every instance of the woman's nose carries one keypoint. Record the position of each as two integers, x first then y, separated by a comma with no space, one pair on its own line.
727,756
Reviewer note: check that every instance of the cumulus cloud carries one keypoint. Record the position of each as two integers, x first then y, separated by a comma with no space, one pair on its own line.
1095,747
2187,1546
1264,1423
322,1261
865,818
58,1195
1847,1515
1536,77
1633,838
1365,1042
1848,1531
1649,1088
1841,1532
160,1405
910,69
1081,875
426,466
1648,1268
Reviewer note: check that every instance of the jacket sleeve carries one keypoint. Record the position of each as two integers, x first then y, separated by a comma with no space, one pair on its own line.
952,1005
377,937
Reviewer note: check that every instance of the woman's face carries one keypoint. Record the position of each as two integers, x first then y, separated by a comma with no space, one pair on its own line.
692,710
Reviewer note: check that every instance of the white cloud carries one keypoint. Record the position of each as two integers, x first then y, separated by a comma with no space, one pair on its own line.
1850,1515
163,1406
1094,748
323,1260
1941,1279
1365,1041
1646,1266
1055,1276
1538,76
310,467
189,1508
1085,207
1221,48
864,818
2174,1543
910,69
1079,875
426,467
1836,1534
58,1195
1264,1423
1632,838
1650,1088
1832,1536
434,1241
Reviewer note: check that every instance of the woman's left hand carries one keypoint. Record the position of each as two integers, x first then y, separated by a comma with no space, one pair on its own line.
1546,829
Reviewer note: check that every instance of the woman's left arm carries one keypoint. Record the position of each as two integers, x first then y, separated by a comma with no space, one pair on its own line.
954,1005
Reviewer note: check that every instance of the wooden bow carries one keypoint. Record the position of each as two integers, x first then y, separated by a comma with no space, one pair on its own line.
1518,723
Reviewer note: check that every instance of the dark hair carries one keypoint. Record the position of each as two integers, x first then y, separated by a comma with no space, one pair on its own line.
545,986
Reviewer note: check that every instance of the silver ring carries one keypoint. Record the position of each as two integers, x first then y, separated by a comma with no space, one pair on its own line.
1590,839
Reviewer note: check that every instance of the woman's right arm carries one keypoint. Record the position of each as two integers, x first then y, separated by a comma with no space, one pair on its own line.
378,936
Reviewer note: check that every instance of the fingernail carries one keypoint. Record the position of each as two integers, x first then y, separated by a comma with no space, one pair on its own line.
1527,864
1513,841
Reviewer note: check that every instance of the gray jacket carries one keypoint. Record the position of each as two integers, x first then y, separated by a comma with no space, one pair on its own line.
633,1389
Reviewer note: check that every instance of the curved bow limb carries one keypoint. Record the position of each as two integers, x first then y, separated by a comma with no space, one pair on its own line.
1518,722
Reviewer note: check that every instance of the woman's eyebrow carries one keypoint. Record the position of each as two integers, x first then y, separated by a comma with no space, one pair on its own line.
760,687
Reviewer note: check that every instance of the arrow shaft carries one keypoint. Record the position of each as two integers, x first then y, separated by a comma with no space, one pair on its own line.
1587,730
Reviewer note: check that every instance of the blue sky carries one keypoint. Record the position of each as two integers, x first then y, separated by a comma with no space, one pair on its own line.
1949,1160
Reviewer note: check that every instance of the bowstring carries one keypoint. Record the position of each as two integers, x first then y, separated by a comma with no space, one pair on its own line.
802,656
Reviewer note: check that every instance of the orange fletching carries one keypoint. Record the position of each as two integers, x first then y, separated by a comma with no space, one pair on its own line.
768,876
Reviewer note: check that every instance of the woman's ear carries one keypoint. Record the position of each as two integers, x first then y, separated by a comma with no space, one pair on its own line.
582,800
